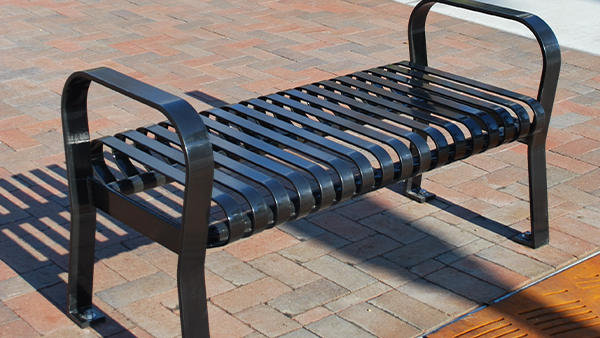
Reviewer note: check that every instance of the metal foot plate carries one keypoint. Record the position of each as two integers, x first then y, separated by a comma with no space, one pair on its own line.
419,195
88,317
527,239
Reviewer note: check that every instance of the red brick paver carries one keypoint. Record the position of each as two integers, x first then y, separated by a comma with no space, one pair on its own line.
342,272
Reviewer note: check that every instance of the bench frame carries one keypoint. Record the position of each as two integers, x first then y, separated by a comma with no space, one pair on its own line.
189,240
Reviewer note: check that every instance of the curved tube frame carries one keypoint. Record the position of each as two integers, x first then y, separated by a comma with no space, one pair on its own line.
536,141
197,195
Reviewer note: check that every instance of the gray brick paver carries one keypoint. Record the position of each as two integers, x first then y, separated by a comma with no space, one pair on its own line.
128,293
308,297
340,273
334,326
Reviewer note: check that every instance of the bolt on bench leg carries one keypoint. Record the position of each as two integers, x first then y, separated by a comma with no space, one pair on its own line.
412,189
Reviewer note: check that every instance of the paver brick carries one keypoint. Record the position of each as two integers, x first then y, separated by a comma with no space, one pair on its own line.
575,246
443,231
577,147
251,294
465,285
301,333
334,326
312,315
284,270
491,273
6,272
486,194
308,297
262,244
45,276
464,251
339,272
364,249
393,228
442,299
426,267
548,254
302,229
372,204
358,296
268,321
410,310
341,226
587,215
232,269
224,325
387,271
128,293
514,261
18,328
153,318
21,256
378,322
44,317
451,195
313,248
125,263
458,175
419,251
6,315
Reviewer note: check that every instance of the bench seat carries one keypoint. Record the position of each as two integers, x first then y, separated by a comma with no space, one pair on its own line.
283,156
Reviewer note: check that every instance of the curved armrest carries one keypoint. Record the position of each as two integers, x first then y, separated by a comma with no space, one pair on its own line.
541,31
193,136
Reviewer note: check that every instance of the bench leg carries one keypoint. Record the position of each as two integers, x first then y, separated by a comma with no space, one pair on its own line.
538,192
412,186
412,189
191,287
81,266
83,212
191,283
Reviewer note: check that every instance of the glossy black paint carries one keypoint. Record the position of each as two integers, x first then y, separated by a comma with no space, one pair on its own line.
281,157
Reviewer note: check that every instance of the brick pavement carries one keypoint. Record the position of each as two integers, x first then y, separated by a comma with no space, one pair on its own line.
339,273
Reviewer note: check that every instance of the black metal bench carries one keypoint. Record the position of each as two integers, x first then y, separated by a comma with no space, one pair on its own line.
281,157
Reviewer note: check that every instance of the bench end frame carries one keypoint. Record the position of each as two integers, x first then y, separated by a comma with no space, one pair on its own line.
536,141
199,170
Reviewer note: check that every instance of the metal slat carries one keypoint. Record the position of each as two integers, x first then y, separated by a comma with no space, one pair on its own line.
360,161
468,116
344,173
326,196
476,139
437,137
260,215
344,118
499,113
523,117
305,201
424,154
300,111
283,208
365,98
236,221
